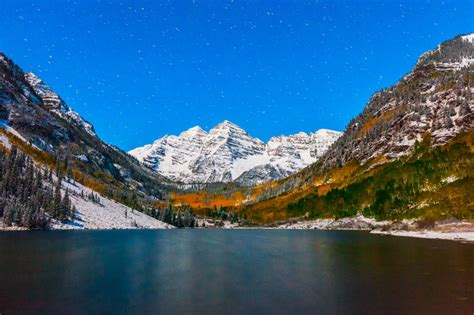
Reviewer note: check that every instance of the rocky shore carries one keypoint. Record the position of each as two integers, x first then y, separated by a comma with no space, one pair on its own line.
451,229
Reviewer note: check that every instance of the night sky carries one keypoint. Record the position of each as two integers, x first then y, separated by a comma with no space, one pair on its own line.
139,70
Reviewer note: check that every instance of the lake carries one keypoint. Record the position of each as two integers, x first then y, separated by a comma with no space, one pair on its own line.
232,272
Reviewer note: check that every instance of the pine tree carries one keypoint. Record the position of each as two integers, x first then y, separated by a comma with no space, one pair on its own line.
465,109
18,214
27,220
72,214
8,212
58,168
57,199
65,207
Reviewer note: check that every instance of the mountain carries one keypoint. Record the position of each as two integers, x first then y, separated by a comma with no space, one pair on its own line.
55,104
408,154
37,121
432,99
228,153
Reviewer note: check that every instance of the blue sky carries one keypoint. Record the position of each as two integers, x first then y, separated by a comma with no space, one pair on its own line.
141,69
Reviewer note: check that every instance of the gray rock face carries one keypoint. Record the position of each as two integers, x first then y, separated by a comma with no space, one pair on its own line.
228,153
55,104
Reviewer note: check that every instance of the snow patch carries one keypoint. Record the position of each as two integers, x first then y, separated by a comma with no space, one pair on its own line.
5,142
449,179
106,215
82,158
453,236
468,38
4,125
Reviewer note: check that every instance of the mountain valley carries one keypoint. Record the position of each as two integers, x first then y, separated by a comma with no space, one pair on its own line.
408,155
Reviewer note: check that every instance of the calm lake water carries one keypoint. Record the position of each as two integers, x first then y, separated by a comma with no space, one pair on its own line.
232,272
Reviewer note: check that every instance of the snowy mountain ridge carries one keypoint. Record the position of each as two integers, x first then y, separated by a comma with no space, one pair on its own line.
56,104
228,153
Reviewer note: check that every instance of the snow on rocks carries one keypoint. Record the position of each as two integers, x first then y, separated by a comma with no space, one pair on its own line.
56,104
228,153
213,223
4,141
452,236
358,222
4,125
450,230
468,38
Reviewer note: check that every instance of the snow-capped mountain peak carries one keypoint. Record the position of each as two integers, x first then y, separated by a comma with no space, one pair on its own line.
228,153
195,131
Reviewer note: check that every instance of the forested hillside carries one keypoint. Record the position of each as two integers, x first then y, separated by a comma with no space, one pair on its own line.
30,196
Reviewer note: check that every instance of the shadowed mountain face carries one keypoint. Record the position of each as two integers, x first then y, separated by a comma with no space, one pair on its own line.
40,118
228,153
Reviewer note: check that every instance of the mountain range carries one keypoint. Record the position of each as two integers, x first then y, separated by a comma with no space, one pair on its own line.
409,154
228,153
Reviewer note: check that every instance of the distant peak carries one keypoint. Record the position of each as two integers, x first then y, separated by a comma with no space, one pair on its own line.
197,129
227,125
301,133
194,131
327,131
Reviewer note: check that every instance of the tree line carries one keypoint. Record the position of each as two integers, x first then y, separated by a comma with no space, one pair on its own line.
30,197
33,197
181,218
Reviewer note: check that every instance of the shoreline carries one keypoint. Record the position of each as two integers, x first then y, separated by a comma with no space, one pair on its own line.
453,230
461,236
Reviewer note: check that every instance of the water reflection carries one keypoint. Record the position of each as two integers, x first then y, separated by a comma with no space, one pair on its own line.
244,271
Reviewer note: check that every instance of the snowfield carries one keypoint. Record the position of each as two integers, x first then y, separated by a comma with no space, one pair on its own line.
107,215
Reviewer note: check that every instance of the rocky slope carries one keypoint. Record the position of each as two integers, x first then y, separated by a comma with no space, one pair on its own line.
435,98
55,104
228,153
